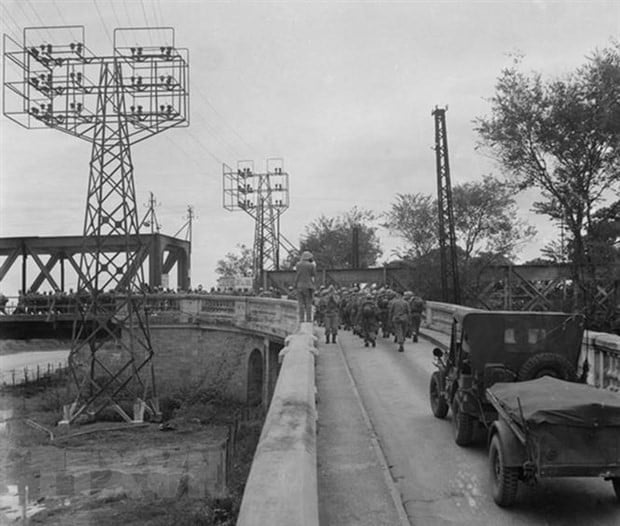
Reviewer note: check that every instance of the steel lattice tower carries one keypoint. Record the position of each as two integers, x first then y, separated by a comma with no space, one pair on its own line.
52,80
265,197
447,238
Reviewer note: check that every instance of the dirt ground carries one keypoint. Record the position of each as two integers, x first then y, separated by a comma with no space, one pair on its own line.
109,473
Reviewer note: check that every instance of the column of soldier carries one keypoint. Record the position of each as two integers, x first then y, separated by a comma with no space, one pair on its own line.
369,312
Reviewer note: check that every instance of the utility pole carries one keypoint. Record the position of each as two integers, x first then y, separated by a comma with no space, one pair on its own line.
355,246
53,80
187,226
265,197
447,237
150,218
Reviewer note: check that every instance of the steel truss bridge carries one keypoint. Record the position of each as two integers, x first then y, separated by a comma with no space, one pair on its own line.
54,257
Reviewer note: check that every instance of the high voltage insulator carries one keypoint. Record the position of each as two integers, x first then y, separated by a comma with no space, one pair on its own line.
111,101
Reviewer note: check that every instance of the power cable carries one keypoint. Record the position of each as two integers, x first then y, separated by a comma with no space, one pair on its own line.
17,33
105,27
204,148
158,21
146,21
230,147
188,154
118,20
127,12
41,23
30,21
215,110
157,4
62,19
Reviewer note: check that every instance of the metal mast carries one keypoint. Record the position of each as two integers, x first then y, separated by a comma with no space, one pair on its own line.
53,80
447,238
265,197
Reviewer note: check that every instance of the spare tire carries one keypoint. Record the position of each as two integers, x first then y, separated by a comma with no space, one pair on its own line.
547,364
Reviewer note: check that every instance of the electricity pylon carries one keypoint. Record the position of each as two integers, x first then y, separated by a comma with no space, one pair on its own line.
265,197
447,236
53,80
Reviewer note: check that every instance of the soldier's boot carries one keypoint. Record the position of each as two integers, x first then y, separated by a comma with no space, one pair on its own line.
333,337
365,343
374,343
327,338
401,348
415,338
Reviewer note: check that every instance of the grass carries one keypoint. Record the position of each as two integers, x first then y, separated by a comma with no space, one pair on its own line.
43,401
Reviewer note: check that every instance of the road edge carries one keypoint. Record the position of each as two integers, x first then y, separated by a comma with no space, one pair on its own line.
376,446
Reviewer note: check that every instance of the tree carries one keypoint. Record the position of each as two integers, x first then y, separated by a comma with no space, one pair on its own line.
486,222
414,218
562,137
235,265
330,239
485,216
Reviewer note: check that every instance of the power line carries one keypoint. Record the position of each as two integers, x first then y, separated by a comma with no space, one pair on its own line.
162,19
118,20
211,154
41,23
158,21
17,34
30,20
127,11
105,27
62,18
230,147
146,21
215,110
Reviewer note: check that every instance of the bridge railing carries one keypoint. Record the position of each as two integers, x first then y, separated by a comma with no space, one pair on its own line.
269,316
282,486
602,350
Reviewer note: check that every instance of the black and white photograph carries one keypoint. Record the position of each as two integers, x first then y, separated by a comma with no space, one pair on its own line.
310,263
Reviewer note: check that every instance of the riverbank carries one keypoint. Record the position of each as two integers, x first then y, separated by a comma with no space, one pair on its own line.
191,470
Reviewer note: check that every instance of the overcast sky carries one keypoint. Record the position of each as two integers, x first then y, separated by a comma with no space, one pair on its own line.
342,91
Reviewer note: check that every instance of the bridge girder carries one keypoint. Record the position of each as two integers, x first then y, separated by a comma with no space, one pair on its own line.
161,252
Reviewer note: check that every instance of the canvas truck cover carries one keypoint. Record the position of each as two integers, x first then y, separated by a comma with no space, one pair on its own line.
553,401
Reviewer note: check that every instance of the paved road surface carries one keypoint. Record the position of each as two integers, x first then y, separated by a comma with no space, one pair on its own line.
440,482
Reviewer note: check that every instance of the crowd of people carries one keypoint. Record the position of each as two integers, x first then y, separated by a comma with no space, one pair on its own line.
63,302
369,312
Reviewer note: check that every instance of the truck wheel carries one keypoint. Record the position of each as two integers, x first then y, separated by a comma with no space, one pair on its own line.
616,483
463,425
439,406
547,364
504,479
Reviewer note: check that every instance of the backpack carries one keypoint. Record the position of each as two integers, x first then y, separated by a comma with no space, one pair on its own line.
367,310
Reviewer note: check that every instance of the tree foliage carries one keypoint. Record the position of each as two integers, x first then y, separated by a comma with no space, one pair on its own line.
413,217
485,216
560,136
235,264
330,239
486,222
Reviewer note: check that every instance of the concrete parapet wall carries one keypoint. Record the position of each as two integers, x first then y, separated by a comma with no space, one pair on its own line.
282,486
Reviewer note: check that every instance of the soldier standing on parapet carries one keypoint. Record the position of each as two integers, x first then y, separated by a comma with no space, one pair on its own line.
305,277
330,304
400,313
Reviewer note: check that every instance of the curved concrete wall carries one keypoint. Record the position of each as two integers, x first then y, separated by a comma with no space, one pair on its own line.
282,486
